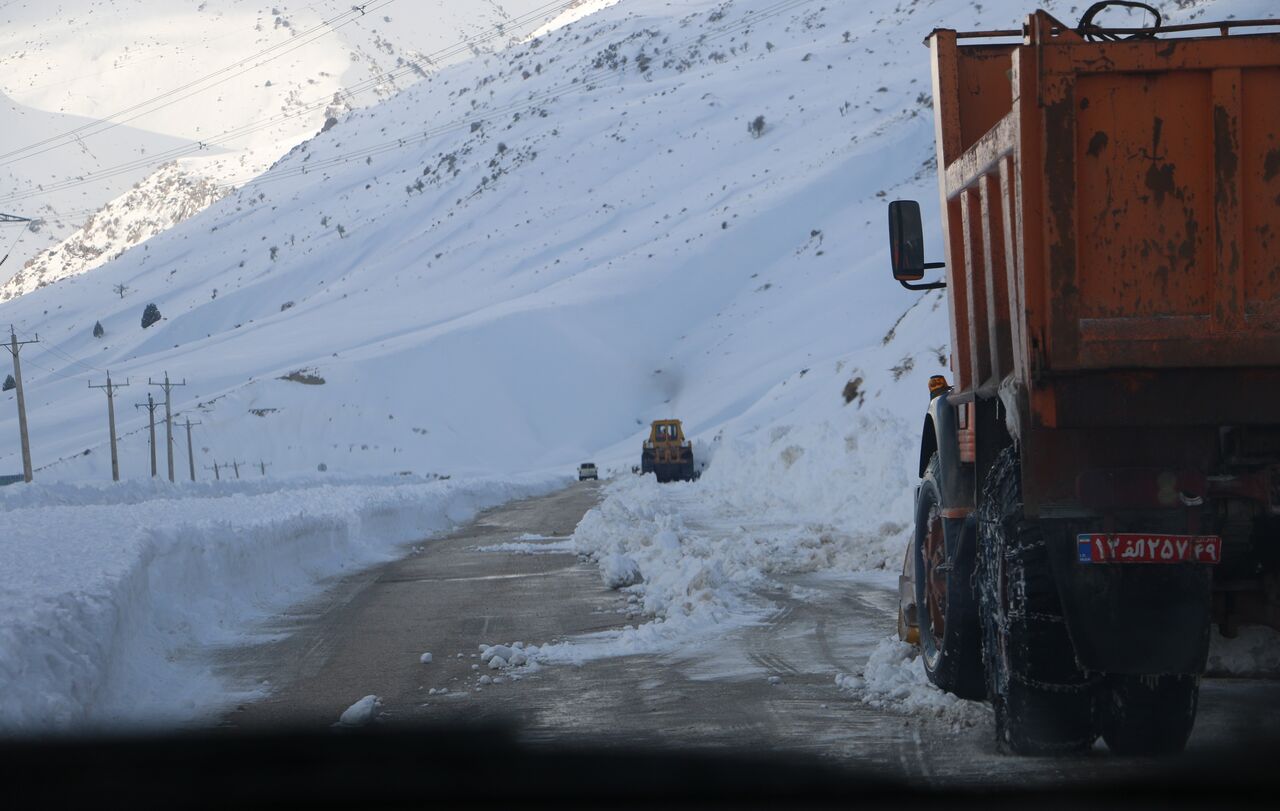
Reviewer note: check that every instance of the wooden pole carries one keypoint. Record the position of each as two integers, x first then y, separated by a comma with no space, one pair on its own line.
15,347
111,422
191,457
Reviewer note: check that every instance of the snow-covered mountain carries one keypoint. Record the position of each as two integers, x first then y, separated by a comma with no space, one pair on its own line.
208,94
658,210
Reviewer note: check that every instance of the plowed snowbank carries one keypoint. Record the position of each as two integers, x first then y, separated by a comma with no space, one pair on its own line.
108,612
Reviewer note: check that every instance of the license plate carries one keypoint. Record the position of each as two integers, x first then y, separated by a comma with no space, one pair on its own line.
1133,547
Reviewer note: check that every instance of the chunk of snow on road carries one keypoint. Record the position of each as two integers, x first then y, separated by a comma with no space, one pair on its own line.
894,678
425,658
486,680
619,571
505,656
491,651
538,546
361,712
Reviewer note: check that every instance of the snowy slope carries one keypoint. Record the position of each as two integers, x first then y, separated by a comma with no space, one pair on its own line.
236,85
521,261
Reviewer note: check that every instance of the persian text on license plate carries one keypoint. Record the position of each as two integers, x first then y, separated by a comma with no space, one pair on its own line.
1132,547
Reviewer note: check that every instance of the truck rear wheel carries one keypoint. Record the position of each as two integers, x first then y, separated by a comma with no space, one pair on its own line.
1149,715
946,609
1044,703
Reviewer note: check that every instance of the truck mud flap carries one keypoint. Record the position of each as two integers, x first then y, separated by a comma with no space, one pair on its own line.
1132,619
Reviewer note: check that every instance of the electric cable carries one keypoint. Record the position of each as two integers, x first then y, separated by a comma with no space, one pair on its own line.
111,121
253,127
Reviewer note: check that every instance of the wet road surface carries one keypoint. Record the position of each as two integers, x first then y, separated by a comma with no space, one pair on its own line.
447,595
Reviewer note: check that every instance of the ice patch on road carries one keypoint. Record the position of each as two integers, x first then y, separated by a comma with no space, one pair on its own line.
894,678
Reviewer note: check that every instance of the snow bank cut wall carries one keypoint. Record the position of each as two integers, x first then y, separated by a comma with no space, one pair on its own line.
109,613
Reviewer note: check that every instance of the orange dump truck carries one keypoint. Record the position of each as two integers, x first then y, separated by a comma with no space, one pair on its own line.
1101,484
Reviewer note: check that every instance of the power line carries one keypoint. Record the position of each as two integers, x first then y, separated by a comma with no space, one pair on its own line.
534,100
52,372
66,357
13,245
582,83
137,62
250,128
111,121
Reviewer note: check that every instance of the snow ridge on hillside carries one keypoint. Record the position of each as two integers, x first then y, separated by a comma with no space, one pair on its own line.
592,237
250,85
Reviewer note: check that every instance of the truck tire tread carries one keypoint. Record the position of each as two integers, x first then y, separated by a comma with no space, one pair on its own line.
1044,703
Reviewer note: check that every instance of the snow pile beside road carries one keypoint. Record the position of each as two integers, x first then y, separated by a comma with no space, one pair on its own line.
843,478
693,564
107,611
894,678
1255,652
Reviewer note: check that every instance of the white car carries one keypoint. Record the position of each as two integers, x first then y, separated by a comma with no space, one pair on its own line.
587,470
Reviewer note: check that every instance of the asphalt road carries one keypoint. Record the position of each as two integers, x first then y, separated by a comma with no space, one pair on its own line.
365,636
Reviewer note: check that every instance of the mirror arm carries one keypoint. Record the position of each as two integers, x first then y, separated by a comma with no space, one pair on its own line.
930,285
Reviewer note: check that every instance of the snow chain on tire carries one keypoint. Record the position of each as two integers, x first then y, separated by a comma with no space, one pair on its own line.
1044,703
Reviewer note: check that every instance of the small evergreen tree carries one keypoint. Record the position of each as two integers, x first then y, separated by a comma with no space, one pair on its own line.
98,331
756,127
150,315
9,384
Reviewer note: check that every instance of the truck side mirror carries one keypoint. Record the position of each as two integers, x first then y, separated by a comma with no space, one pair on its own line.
906,246
906,240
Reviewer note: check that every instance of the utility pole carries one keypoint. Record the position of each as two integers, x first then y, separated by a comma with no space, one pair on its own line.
151,405
168,415
14,347
111,421
191,457
263,466
216,475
